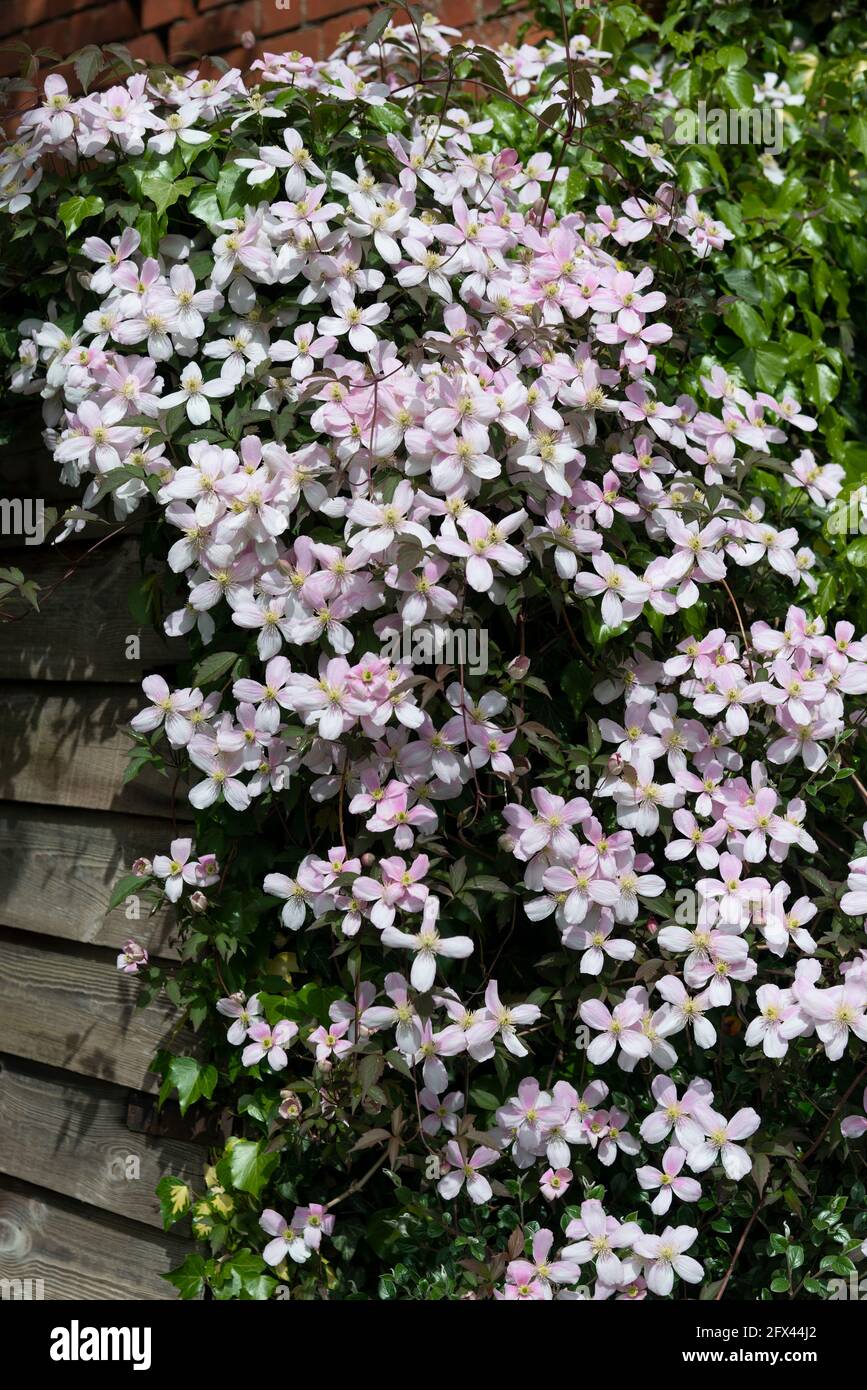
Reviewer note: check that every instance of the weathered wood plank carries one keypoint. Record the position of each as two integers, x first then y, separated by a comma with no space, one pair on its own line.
58,867
71,1137
28,470
84,628
67,1006
79,1253
70,747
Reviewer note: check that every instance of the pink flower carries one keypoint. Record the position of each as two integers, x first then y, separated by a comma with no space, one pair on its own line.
427,945
855,1125
463,1170
664,1257
270,1043
618,1029
668,1181
285,1241
312,1223
721,1144
330,1042
597,1238
132,958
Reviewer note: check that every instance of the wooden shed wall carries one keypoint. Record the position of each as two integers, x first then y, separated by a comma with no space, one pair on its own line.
74,1050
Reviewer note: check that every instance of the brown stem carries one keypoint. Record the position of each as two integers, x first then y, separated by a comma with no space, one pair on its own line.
739,1247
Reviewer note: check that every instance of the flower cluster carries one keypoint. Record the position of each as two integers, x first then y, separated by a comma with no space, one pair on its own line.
451,397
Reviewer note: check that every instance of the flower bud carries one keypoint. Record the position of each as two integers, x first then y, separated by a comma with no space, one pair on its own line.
198,902
143,868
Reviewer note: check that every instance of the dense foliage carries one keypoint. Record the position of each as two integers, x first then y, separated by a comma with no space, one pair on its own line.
499,439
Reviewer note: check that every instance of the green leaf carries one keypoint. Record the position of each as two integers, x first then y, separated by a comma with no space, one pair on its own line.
822,384
129,884
231,189
747,323
483,1099
204,205
163,192
858,134
88,62
77,210
191,1079
250,1167
388,118
213,667
761,1169
188,1278
737,86
856,553
837,1264
175,1198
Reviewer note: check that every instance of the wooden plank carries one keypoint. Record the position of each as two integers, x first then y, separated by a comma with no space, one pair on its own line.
78,1253
67,1006
28,470
58,867
70,747
71,1137
84,628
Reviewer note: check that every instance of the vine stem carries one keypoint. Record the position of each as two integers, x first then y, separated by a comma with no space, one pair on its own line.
359,1182
739,1247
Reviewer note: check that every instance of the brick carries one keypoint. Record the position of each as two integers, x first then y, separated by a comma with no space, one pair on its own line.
334,29
156,14
212,33
221,28
307,40
20,15
460,14
103,24
318,10
494,32
149,47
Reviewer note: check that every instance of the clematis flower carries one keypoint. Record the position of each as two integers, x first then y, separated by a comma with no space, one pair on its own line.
427,945
663,1257
467,1170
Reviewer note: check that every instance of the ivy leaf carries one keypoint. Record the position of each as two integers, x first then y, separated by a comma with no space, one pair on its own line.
858,133
188,1278
163,192
250,1167
388,118
204,204
77,210
738,87
822,384
175,1197
743,320
191,1079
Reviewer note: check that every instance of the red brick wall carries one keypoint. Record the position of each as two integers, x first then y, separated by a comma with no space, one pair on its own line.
181,30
